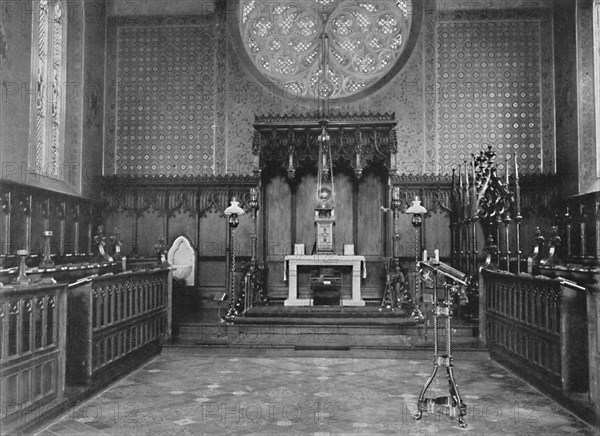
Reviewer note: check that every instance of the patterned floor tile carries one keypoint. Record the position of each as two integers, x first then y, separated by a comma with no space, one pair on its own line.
180,393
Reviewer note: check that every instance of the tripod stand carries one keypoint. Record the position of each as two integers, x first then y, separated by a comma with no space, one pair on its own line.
451,405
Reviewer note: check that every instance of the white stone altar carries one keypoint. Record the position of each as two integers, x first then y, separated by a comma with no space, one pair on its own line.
290,273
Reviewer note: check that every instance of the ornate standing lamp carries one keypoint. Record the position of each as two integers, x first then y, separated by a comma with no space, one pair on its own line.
417,211
396,204
258,290
232,213
253,203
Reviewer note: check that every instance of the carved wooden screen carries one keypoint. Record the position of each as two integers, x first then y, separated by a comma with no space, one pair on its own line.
362,147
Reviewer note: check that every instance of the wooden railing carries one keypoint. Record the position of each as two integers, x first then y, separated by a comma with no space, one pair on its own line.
32,348
115,323
537,326
593,302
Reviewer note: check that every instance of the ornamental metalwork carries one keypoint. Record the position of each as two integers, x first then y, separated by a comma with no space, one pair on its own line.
365,40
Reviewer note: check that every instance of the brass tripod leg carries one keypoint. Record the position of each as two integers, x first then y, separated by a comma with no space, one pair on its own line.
453,388
421,399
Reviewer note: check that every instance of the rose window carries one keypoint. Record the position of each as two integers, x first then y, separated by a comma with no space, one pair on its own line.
364,42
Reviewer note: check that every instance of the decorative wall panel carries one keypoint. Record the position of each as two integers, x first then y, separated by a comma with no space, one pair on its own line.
167,102
494,87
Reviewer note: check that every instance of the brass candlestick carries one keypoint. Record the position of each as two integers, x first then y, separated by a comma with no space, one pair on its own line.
22,278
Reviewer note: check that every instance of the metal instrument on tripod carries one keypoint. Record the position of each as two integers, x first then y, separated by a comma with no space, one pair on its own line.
455,283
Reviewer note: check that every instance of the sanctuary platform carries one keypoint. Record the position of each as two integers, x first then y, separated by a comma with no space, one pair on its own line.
331,330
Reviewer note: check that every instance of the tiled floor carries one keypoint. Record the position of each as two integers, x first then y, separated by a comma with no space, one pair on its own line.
193,392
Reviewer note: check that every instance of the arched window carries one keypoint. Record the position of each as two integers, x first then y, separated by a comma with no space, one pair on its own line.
47,113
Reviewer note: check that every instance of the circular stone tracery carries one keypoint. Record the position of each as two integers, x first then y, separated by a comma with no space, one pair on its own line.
365,41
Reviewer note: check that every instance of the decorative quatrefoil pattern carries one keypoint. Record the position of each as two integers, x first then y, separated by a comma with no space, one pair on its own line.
166,90
489,92
365,40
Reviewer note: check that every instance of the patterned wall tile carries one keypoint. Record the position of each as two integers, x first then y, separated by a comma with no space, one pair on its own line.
166,99
490,83
180,100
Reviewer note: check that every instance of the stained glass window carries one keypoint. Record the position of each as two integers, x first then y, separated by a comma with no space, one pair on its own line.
365,40
48,47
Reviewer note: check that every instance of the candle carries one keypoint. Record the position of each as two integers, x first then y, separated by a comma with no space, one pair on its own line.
517,187
473,191
424,255
437,255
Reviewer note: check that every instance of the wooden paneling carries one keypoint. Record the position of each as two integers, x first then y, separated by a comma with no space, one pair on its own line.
56,218
305,212
38,225
150,226
19,230
213,236
115,323
344,219
370,200
213,274
69,236
593,310
243,232
537,326
190,206
125,225
278,216
30,211
32,349
436,234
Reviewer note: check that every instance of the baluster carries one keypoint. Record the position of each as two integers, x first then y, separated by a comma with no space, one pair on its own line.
26,330
117,302
51,327
13,328
95,308
40,316
145,287
122,295
102,315
109,304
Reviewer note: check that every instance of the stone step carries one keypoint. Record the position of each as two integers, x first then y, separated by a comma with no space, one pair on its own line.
321,336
